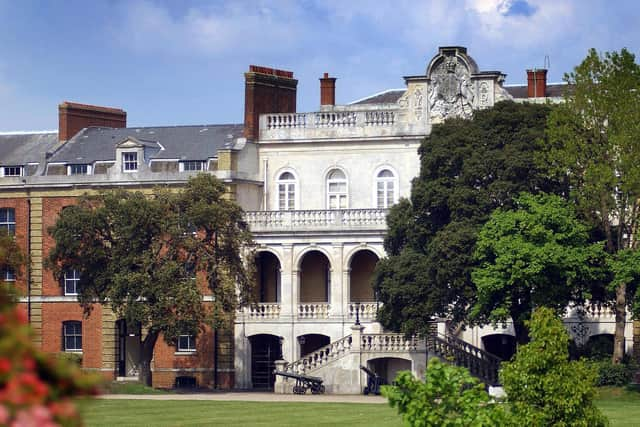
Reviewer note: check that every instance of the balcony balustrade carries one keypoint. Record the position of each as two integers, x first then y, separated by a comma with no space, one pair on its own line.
343,219
340,123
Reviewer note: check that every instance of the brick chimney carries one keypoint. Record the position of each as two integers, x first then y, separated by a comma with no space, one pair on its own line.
327,90
266,90
537,83
73,117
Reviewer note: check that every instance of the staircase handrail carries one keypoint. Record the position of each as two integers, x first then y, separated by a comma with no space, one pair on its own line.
321,356
480,363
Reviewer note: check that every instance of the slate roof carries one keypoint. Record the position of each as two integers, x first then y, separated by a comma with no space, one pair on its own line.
177,142
21,148
554,90
390,96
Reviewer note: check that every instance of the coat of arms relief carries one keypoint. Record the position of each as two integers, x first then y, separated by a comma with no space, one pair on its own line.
451,92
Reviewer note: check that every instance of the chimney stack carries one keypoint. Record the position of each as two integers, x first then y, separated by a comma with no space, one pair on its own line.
73,117
266,90
537,83
327,90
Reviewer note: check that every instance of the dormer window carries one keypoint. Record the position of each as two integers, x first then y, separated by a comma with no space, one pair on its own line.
130,162
79,169
191,165
11,171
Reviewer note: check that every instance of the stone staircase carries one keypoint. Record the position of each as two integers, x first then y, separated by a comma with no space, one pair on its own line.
480,363
338,363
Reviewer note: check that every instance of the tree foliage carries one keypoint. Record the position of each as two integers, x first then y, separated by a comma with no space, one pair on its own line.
449,396
536,254
468,168
593,143
543,387
140,253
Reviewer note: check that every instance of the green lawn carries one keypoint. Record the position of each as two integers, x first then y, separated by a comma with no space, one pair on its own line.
622,407
216,413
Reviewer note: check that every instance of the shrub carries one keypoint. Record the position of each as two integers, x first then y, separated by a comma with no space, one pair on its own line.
613,374
448,397
543,387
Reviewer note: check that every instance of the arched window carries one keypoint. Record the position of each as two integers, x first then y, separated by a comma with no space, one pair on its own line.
385,189
72,335
337,190
287,186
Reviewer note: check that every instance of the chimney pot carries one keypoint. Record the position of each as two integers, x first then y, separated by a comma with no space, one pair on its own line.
327,90
537,83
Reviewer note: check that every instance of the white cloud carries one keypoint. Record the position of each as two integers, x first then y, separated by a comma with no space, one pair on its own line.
232,27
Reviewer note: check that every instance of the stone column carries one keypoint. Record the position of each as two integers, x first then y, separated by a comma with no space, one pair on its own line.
282,385
356,350
288,284
242,358
337,286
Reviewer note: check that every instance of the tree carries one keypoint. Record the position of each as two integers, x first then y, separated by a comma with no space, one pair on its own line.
449,396
543,387
593,144
139,254
536,254
468,168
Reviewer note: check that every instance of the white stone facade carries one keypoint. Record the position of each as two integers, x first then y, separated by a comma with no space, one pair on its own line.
328,179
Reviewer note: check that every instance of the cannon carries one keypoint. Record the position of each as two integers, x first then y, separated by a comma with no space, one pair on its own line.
304,383
374,381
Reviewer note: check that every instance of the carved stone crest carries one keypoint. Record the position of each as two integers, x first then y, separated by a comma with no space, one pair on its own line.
451,91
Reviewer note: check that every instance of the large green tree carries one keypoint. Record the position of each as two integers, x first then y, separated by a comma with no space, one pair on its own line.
536,254
468,169
139,253
594,142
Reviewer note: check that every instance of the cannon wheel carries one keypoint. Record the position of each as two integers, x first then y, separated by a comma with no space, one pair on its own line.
366,391
319,389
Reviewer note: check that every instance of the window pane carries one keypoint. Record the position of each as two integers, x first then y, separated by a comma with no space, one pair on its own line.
8,220
385,174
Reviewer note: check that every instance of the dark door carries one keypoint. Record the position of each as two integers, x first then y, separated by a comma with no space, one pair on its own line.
265,350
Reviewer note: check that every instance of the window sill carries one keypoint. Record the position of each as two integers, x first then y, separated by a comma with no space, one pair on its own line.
73,351
185,353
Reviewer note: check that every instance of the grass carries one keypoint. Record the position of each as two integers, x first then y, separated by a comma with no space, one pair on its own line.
208,413
621,406
128,387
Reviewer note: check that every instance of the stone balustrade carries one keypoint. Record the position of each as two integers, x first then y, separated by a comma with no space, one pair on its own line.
342,219
366,310
328,119
385,120
597,311
388,343
321,357
313,310
263,310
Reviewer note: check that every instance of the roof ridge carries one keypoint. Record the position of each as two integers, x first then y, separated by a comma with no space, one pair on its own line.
376,94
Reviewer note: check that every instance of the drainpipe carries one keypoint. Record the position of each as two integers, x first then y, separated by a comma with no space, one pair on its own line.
28,254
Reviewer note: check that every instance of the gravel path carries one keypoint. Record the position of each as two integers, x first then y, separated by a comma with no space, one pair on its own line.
252,397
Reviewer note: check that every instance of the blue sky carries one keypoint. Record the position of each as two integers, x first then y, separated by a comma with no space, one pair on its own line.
182,62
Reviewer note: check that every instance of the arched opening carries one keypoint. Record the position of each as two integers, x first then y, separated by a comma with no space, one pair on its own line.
388,367
315,278
311,342
267,278
265,350
599,346
501,345
362,266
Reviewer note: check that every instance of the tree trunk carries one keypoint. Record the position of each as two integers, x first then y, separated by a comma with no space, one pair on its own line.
621,320
146,354
521,331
